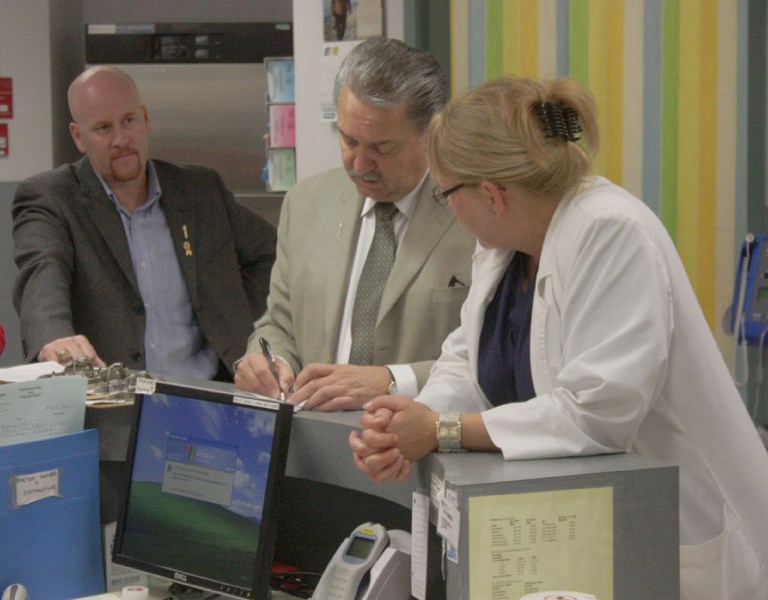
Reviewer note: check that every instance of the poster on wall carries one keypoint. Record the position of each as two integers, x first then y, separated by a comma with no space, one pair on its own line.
346,20
3,140
6,98
345,23
333,55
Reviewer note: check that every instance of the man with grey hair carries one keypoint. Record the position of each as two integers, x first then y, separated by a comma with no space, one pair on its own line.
371,271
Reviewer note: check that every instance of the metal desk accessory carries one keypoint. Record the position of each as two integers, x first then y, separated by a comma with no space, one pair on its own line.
112,384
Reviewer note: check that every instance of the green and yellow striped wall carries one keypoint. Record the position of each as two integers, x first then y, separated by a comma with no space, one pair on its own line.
669,77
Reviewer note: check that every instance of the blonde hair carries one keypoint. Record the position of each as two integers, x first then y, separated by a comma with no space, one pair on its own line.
494,133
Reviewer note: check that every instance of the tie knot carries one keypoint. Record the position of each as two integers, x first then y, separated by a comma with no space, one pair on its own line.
385,211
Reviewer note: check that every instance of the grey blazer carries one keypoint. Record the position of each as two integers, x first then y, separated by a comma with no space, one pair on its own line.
75,271
317,238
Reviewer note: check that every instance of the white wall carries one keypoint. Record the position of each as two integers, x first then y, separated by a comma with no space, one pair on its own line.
317,147
25,53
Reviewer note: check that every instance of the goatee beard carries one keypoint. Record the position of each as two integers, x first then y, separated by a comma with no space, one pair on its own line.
125,176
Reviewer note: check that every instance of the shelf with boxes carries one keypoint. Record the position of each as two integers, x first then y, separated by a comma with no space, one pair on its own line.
280,169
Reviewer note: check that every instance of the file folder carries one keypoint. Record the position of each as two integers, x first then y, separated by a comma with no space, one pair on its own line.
50,537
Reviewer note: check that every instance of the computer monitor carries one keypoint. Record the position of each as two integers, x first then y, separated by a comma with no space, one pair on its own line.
205,470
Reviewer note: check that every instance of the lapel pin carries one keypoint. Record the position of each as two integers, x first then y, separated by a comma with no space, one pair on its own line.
187,244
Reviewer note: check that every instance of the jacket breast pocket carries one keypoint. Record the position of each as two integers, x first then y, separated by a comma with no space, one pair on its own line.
449,295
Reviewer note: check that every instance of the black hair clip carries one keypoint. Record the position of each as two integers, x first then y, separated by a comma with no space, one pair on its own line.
559,121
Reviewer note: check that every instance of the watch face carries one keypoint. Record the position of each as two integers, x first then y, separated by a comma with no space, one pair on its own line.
449,430
449,433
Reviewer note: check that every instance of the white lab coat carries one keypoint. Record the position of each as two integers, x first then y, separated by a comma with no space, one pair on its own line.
623,360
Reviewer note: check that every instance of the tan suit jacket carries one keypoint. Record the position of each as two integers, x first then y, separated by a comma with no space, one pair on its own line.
317,239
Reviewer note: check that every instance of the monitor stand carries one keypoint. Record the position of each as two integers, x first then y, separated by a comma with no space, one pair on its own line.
179,591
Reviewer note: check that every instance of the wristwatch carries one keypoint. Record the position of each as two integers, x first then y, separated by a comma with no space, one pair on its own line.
392,389
448,427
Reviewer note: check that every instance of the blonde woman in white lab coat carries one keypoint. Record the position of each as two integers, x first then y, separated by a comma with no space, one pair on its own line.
581,334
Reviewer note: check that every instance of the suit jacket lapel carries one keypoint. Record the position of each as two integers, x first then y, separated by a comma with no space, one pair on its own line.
428,224
105,218
179,214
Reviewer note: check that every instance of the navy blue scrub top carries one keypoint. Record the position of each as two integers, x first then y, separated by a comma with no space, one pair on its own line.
504,363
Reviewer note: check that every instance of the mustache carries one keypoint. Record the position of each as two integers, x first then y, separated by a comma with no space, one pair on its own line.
370,176
124,154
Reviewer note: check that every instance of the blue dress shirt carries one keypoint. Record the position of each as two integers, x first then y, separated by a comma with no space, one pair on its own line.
173,340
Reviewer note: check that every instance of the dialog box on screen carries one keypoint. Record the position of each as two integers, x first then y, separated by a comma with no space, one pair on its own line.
199,468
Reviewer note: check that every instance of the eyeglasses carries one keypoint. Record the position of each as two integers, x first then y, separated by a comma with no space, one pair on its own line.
441,197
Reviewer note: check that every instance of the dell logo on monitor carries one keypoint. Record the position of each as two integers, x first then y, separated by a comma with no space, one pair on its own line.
180,576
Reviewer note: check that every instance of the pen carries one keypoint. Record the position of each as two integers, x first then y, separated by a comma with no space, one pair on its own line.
267,350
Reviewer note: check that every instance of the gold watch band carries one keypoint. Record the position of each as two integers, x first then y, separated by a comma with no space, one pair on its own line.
392,388
448,431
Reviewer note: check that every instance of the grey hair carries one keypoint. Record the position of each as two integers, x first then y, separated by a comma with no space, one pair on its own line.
386,73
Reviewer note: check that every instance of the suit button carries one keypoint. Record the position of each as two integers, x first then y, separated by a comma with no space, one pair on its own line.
136,356
139,309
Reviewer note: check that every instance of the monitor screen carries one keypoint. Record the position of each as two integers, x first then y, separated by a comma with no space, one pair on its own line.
205,474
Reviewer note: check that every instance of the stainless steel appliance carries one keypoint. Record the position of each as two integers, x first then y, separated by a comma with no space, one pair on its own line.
205,87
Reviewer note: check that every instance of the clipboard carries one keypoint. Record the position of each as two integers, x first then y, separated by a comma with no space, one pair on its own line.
49,516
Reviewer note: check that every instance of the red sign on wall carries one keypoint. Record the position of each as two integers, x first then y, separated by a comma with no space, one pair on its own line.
3,140
6,98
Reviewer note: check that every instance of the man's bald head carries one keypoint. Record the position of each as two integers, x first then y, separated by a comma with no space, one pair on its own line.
91,81
110,125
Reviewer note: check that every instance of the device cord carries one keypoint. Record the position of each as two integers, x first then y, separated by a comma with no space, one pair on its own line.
740,320
300,584
759,376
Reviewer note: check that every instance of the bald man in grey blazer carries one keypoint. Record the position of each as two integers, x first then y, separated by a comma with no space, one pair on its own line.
126,259
386,95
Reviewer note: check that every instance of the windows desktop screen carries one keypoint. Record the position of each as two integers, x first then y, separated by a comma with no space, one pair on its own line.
199,481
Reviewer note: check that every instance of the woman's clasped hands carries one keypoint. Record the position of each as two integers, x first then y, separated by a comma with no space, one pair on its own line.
396,431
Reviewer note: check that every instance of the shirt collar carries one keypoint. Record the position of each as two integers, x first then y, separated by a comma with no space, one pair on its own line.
406,205
153,190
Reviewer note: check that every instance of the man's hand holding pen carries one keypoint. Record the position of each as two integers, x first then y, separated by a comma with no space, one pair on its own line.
318,387
257,373
266,350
